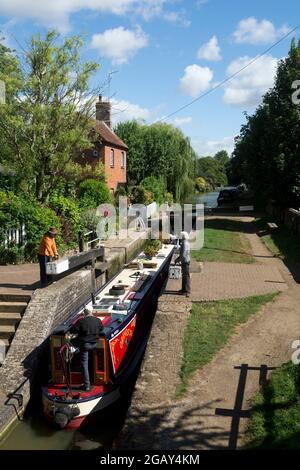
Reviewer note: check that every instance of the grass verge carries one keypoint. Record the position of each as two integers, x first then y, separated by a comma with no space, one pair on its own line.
209,327
275,423
282,243
225,241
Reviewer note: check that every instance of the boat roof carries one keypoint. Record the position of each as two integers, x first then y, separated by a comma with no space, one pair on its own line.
113,308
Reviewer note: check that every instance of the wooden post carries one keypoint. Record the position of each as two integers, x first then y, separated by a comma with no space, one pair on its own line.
80,241
93,279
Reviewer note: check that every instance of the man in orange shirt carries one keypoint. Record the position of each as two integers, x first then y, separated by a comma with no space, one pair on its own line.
47,250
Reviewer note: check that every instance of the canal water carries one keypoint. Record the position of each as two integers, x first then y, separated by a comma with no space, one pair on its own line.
34,433
208,199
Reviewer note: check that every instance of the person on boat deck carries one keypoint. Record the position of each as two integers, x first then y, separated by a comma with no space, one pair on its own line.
47,250
87,330
184,259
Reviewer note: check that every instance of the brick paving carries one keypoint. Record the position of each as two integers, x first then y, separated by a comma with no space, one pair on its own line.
19,279
220,281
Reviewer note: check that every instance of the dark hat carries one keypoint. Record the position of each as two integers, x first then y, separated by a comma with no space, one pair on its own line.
53,231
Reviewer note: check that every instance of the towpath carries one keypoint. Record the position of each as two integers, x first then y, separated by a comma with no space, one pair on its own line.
213,413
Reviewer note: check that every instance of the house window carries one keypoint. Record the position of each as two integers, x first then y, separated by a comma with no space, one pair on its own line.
112,158
123,160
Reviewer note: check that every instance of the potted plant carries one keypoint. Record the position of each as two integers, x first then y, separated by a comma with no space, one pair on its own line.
151,248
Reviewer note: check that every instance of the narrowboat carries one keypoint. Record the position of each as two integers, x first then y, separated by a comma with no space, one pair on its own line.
125,306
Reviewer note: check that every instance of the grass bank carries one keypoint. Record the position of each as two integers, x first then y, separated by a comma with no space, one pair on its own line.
282,243
275,423
225,241
209,327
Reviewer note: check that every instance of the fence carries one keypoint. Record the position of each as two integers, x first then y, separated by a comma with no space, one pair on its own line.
289,217
16,236
141,210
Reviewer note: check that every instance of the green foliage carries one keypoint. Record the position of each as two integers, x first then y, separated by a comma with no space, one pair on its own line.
139,195
267,152
201,184
132,133
275,418
156,186
152,247
69,213
15,211
282,242
212,171
89,220
121,191
93,193
45,122
160,151
222,157
11,254
225,241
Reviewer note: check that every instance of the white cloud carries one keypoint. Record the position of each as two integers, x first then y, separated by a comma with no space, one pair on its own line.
183,121
119,44
177,17
252,31
200,3
247,88
125,111
196,80
57,13
210,50
211,147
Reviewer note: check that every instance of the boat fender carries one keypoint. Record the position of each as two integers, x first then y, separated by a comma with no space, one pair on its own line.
64,414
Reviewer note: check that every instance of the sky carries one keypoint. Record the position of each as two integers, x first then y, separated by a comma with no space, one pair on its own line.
162,54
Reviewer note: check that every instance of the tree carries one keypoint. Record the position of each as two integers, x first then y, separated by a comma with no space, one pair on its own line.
222,157
267,152
131,132
93,193
46,120
212,171
161,151
201,184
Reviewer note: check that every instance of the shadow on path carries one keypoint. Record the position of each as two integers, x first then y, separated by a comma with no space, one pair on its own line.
237,412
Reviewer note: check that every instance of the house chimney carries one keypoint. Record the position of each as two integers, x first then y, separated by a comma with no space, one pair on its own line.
103,111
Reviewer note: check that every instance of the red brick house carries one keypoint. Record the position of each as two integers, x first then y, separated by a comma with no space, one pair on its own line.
108,148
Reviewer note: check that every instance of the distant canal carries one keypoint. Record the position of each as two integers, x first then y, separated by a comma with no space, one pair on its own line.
208,199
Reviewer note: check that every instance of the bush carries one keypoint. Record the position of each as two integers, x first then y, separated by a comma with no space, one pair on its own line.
152,247
156,186
93,193
121,192
70,215
16,211
89,220
12,254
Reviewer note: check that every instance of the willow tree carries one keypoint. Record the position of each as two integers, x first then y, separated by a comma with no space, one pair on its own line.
46,121
162,151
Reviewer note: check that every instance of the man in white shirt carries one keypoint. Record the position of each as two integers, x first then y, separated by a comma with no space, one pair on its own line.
184,258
